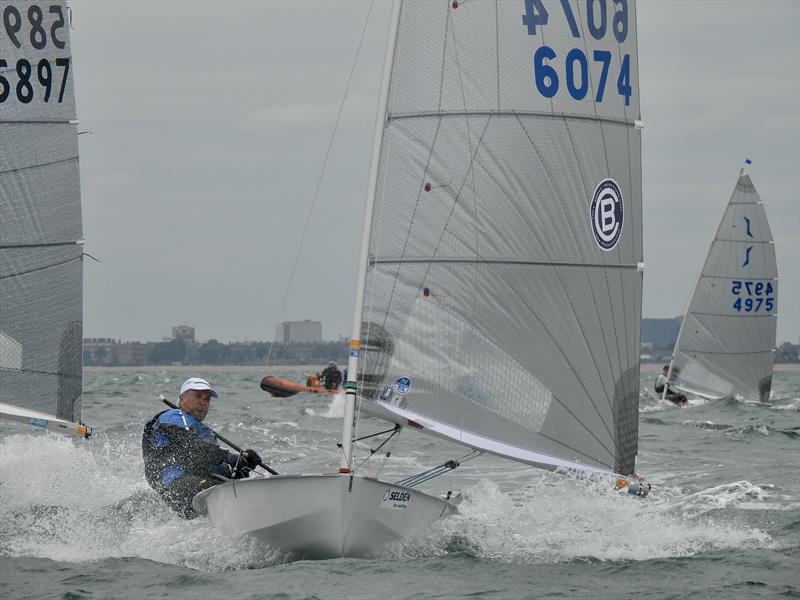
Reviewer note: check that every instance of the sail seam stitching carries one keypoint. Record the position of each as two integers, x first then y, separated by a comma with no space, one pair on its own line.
549,179
44,268
688,350
737,316
44,245
504,113
40,165
594,298
501,261
577,377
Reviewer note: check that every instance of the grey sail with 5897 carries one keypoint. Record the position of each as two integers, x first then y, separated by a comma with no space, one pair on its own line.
41,271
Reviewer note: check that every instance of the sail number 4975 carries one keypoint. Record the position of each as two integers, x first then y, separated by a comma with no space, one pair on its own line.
575,66
753,296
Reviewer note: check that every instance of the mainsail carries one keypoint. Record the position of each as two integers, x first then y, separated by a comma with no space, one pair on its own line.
499,284
502,300
726,343
41,271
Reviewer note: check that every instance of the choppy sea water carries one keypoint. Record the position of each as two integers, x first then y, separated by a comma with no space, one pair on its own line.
77,519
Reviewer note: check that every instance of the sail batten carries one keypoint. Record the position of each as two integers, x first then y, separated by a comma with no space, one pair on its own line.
41,244
495,261
501,113
503,286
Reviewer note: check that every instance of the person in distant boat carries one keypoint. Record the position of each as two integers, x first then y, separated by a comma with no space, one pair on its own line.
672,395
331,376
182,455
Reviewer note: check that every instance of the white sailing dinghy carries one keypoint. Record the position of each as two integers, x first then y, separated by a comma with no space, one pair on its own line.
499,284
41,268
726,344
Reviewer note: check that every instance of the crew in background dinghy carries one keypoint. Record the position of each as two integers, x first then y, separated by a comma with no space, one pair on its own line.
671,394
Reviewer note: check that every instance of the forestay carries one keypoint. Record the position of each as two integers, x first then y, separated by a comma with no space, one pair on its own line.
503,294
40,214
727,340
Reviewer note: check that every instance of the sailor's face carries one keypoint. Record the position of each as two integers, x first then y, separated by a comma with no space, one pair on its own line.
196,403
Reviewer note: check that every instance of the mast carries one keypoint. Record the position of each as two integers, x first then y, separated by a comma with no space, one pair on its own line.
361,279
678,339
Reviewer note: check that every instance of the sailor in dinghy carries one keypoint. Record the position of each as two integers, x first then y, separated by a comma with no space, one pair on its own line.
671,395
182,455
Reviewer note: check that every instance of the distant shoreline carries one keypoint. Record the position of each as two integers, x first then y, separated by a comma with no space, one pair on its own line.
200,368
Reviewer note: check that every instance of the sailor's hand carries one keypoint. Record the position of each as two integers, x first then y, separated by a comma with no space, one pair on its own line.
251,457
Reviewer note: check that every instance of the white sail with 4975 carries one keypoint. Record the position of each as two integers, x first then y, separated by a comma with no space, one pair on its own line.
726,345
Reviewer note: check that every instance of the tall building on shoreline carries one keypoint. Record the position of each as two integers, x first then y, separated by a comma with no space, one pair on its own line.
300,331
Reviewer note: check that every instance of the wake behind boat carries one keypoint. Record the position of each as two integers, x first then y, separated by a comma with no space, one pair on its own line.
499,288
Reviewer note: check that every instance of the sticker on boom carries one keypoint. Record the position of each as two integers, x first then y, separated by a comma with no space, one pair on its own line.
396,499
402,385
606,213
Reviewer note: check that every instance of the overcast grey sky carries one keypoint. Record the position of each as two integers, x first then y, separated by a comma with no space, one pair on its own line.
209,123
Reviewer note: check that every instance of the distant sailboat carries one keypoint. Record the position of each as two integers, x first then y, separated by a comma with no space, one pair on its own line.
726,344
500,279
41,269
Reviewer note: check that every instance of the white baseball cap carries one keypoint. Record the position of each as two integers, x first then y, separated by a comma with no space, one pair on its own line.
195,383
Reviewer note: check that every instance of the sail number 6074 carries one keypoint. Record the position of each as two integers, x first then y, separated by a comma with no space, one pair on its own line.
577,74
574,70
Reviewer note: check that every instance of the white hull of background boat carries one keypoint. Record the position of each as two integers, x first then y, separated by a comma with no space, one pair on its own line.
320,516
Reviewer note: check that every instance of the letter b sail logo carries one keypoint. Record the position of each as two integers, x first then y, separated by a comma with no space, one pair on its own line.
606,213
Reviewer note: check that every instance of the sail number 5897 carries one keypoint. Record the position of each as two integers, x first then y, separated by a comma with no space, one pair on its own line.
27,74
33,29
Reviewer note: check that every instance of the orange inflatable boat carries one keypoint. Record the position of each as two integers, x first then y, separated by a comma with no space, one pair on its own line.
283,388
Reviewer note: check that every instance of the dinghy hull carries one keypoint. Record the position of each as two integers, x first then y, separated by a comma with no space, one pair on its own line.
320,516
